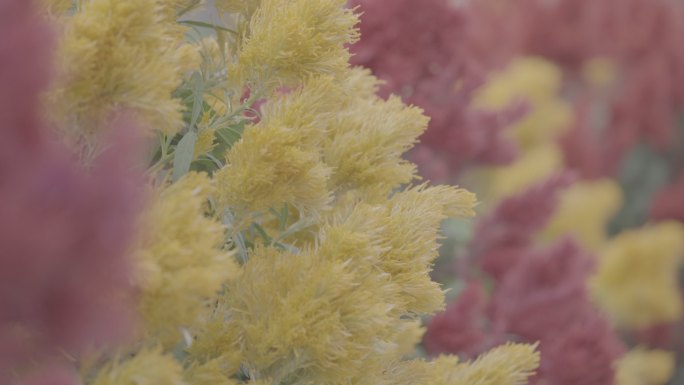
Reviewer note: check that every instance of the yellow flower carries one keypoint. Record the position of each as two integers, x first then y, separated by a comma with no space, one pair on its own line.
645,367
147,367
533,167
599,71
307,319
510,364
636,280
534,81
119,54
290,40
584,211
55,7
367,142
181,264
278,161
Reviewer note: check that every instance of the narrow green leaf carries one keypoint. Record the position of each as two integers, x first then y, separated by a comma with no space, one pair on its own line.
183,156
198,97
202,24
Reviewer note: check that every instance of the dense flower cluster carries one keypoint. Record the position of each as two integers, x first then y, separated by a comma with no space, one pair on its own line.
63,279
600,103
284,241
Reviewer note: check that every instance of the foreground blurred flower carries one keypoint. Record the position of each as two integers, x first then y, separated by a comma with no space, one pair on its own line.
64,230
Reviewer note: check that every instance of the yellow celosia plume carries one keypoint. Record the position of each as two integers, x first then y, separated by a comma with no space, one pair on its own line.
147,367
120,54
288,41
181,263
636,280
536,82
584,211
645,367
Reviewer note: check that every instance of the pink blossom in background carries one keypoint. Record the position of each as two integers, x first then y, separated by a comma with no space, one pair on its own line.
649,92
463,327
538,295
506,233
669,202
64,230
435,55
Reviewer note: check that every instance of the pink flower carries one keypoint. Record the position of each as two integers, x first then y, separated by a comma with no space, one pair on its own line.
505,234
64,230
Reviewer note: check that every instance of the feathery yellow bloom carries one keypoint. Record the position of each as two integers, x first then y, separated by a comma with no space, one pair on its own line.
147,367
55,7
533,167
306,319
400,235
367,141
210,373
409,335
180,264
645,367
278,161
599,71
204,143
636,280
245,7
510,364
290,40
119,54
537,82
584,211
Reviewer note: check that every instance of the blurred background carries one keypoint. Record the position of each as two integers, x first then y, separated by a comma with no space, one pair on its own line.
565,117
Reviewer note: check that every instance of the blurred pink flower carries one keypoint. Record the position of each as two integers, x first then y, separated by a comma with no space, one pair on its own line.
434,55
64,230
506,233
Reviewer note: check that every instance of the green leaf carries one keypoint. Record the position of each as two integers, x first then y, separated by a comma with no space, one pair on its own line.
183,155
230,134
198,97
202,24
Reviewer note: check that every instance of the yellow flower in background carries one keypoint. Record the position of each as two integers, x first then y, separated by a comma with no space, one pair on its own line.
119,54
290,40
534,81
600,72
181,264
532,167
645,367
636,280
583,211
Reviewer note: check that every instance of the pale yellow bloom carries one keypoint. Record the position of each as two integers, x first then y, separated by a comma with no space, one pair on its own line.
583,211
308,319
636,281
290,40
245,7
211,373
181,263
645,367
278,161
55,7
367,142
147,367
510,364
599,71
534,81
119,54
533,167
